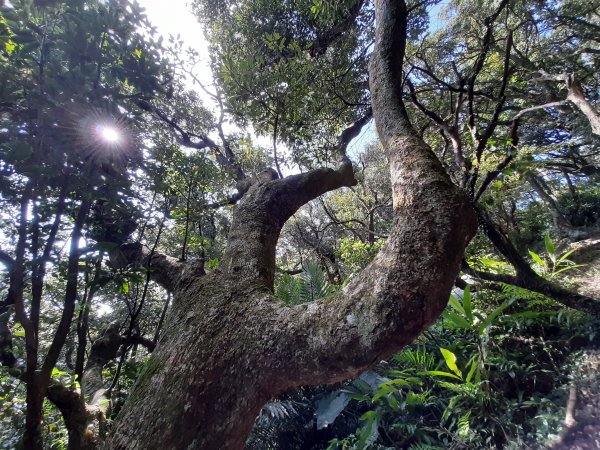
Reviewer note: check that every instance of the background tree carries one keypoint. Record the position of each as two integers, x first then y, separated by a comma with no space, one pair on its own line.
68,145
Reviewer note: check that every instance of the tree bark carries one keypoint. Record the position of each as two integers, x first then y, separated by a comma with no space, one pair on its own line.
229,345
577,97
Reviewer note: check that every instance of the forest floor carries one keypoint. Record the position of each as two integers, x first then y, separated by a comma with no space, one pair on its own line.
583,432
587,277
582,422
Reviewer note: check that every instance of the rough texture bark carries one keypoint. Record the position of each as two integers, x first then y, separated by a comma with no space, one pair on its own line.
230,346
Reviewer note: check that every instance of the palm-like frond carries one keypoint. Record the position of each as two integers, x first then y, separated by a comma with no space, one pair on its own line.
310,285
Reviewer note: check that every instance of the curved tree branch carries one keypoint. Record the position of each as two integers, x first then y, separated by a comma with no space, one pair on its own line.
575,95
263,211
408,284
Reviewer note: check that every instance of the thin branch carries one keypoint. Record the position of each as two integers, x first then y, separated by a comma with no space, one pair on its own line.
352,131
544,106
275,158
196,141
450,132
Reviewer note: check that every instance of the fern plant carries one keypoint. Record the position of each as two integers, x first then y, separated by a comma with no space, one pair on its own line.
312,284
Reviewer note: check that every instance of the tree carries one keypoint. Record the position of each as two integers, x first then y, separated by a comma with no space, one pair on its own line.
224,344
251,341
69,70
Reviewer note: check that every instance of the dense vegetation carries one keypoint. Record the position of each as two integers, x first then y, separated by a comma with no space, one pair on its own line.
123,181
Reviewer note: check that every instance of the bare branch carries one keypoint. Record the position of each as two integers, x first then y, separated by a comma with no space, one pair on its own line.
525,276
352,131
198,142
535,108
538,284
575,95
289,271
450,132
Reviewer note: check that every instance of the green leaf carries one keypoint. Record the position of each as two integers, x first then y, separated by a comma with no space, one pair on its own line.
467,304
491,263
564,256
58,373
574,266
458,321
549,244
539,261
450,359
384,391
474,363
440,373
19,333
368,432
495,313
456,304
10,47
396,382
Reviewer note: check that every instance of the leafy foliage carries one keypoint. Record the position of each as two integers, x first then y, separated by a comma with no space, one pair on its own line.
311,285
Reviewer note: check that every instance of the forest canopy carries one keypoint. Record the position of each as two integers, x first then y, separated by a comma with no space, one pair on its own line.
376,226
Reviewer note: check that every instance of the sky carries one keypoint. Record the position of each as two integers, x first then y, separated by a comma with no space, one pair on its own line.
175,17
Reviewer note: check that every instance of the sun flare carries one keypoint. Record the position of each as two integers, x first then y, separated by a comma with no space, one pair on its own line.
108,134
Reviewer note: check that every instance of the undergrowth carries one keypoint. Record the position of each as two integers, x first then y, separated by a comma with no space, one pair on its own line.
493,372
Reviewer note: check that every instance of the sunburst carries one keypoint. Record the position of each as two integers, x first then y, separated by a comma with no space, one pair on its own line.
109,134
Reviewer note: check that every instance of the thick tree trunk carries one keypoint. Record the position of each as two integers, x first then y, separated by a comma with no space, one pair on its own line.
229,345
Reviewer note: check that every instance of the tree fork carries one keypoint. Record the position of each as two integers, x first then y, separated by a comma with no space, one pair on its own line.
229,345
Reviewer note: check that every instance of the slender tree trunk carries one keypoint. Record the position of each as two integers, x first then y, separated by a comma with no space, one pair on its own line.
372,226
84,316
561,222
187,219
570,184
32,438
161,320
38,381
